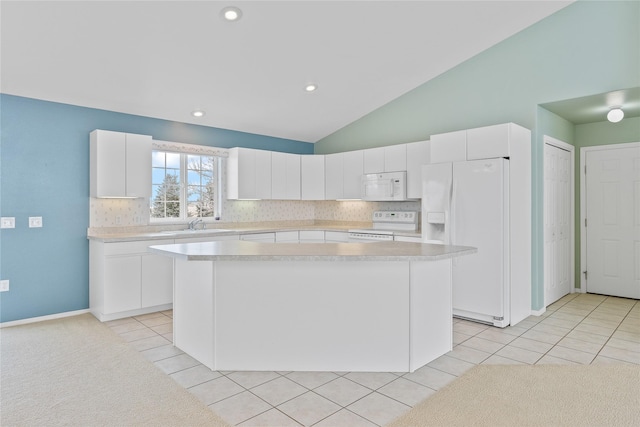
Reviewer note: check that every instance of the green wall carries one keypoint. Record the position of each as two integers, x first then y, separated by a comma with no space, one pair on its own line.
587,48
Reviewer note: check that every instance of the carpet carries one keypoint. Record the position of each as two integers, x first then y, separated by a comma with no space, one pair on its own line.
539,395
76,372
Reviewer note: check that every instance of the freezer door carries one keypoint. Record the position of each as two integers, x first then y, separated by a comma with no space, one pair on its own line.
480,215
436,201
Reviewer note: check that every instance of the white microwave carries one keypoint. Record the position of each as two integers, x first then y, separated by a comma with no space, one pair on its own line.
384,186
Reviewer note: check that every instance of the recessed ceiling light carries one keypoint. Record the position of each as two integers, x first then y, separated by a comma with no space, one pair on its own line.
615,115
231,13
311,87
198,113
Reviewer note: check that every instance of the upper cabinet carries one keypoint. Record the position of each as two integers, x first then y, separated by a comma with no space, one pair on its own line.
285,176
312,173
417,154
449,147
120,164
478,143
343,173
248,174
392,158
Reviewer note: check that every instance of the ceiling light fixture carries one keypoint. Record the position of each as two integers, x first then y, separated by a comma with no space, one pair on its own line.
615,115
311,87
231,13
198,113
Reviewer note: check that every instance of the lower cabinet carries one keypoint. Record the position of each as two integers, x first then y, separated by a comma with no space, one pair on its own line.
126,280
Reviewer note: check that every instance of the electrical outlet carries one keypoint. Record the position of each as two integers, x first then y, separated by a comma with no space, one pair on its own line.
8,222
35,221
4,285
118,220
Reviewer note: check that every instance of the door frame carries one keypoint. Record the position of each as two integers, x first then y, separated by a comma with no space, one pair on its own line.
583,202
548,140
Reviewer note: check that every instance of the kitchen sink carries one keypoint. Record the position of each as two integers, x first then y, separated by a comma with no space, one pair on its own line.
199,231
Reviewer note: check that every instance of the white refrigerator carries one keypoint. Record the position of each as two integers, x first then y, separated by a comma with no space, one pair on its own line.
467,203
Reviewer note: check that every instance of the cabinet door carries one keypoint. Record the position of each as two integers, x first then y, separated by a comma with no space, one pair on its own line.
292,167
263,174
285,176
241,174
449,147
353,169
312,172
417,156
107,158
395,158
488,142
156,280
374,160
333,176
138,165
122,283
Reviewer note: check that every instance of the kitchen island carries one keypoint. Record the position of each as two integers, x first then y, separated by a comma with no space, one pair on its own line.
382,307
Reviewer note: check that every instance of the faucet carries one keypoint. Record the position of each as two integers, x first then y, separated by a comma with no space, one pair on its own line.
193,223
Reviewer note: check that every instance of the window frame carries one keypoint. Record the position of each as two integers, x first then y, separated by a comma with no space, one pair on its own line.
186,150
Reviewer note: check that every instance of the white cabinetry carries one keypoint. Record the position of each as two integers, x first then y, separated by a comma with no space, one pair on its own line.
343,172
334,176
286,236
248,174
479,143
126,280
392,158
353,168
373,160
312,173
336,236
259,237
120,164
417,155
489,141
449,147
285,176
395,158
311,236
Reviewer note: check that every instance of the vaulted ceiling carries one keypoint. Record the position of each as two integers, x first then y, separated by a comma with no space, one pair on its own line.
165,59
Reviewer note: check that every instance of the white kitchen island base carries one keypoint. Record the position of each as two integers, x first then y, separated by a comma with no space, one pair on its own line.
391,316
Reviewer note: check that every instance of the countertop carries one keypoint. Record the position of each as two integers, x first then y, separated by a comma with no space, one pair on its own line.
259,251
214,232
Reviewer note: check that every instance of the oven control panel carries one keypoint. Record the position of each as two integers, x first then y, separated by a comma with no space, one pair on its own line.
395,220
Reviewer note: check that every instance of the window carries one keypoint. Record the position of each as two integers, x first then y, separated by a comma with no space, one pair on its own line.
184,186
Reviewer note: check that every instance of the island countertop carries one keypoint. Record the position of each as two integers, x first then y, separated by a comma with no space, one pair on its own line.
260,251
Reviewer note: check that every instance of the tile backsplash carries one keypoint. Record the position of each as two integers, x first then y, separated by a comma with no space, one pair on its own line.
135,212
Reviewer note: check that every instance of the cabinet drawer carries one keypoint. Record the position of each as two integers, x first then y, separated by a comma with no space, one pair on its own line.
127,248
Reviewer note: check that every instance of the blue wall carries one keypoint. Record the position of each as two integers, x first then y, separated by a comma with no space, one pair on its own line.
44,171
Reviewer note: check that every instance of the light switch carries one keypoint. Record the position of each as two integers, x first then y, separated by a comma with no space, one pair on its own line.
8,222
35,221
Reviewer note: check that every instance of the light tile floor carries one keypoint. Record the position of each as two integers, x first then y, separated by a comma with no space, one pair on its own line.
577,329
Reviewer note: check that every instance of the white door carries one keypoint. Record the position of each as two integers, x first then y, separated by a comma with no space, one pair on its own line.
613,221
557,223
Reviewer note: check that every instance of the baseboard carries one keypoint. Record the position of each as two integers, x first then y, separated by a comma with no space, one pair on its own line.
43,318
538,312
579,291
